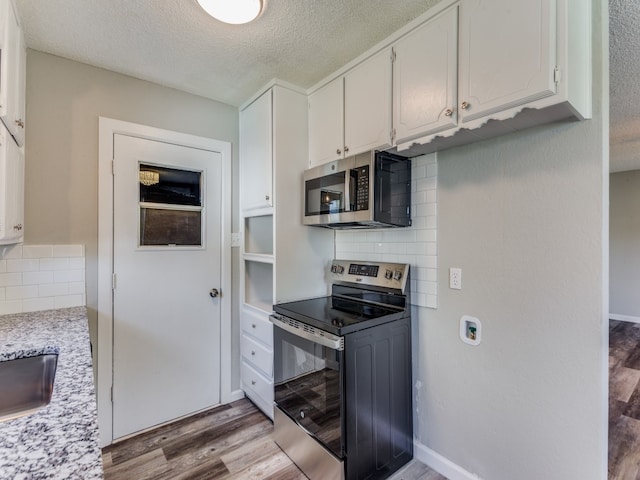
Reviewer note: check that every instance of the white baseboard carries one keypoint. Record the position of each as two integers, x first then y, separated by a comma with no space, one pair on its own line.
440,464
624,318
233,396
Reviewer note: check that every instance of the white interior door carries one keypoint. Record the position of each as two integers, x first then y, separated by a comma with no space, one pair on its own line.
166,247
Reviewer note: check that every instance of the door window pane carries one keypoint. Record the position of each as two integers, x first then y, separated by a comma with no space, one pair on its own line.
170,206
170,227
170,185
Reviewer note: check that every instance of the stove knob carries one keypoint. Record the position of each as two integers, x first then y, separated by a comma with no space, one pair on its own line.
388,274
301,413
340,269
397,275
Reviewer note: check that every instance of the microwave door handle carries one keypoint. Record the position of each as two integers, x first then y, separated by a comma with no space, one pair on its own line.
347,190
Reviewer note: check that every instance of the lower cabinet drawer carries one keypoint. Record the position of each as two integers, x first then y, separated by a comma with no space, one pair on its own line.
257,325
257,355
258,388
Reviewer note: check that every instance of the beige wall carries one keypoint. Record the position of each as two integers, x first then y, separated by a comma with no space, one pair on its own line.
64,100
625,245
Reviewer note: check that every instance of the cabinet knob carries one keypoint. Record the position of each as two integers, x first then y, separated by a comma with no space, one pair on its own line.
266,197
20,123
253,325
17,227
253,382
338,151
465,105
448,112
346,149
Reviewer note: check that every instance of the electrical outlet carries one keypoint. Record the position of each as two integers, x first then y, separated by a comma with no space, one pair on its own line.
455,278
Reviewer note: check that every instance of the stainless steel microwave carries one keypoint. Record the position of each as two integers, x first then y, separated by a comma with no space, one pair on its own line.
369,190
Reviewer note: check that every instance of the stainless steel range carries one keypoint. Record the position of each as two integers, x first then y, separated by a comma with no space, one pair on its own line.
342,374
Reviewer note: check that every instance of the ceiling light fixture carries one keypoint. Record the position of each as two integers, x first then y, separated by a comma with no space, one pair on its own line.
232,11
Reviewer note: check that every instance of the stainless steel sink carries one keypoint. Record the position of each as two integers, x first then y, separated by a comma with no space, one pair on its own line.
26,385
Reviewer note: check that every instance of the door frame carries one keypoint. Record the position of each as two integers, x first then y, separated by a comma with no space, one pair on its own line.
107,128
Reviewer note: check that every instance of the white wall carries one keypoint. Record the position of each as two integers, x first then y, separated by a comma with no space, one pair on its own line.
64,100
624,249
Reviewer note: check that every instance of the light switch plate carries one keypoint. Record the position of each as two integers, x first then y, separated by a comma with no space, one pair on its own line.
235,239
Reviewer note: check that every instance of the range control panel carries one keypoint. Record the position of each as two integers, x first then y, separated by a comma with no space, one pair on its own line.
380,274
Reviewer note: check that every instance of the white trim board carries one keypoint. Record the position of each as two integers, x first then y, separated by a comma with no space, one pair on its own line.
441,464
107,128
624,318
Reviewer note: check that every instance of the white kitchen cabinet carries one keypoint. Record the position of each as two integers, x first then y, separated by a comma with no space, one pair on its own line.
326,123
256,154
11,190
425,78
367,105
519,64
13,55
282,260
352,114
507,55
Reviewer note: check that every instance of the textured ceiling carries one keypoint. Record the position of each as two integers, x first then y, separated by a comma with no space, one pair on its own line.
174,43
624,49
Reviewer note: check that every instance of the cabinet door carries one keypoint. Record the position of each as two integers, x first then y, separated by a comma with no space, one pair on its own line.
507,54
256,154
425,78
11,190
13,75
326,123
367,105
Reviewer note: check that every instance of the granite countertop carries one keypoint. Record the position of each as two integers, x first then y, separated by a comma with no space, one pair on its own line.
59,441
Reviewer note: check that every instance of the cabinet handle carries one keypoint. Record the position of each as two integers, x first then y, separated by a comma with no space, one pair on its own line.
465,105
346,149
20,123
338,151
448,112
17,227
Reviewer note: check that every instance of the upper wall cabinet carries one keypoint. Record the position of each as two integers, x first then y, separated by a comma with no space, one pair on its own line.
13,56
352,114
256,154
11,190
507,55
518,63
425,83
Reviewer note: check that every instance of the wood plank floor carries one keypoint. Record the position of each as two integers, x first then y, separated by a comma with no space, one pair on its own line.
228,442
624,400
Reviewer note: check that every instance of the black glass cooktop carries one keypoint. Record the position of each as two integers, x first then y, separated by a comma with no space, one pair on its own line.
337,315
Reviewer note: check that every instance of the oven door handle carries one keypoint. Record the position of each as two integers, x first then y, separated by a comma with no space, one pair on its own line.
326,339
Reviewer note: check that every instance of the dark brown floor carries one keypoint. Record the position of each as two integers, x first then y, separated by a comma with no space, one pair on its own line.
624,400
228,442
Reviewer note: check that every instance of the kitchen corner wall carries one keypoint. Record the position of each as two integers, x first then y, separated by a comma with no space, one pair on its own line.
41,277
415,245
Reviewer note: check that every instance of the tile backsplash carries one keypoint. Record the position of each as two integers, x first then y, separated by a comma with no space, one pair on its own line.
415,245
41,277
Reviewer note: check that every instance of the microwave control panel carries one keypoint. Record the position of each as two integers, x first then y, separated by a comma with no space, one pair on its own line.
362,187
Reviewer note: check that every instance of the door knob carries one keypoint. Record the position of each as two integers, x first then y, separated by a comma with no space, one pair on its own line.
214,293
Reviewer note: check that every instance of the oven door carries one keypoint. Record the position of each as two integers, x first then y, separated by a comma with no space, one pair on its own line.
308,381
